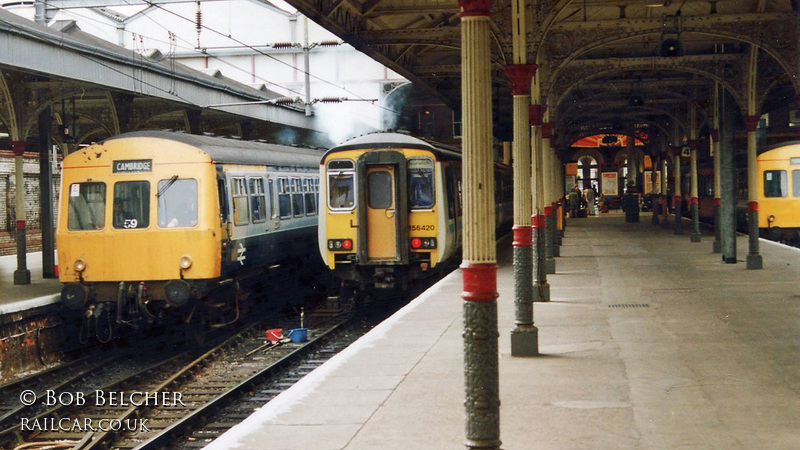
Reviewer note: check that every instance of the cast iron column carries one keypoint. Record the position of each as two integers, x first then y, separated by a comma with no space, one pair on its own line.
753,257
524,336
46,197
717,189
479,267
664,191
656,197
676,198
694,207
549,209
541,290
22,275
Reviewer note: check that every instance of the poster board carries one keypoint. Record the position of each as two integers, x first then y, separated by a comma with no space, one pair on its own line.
569,181
608,185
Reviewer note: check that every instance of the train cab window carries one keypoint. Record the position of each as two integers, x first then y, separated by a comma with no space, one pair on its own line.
87,206
258,200
308,193
177,203
775,183
284,200
796,183
131,208
241,214
420,183
341,184
297,198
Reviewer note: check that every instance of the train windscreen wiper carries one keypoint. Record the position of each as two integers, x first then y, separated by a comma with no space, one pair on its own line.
166,186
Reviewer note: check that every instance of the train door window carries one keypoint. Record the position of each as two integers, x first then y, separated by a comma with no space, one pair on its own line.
241,214
297,198
223,200
284,202
258,201
87,206
451,204
177,203
341,185
775,183
420,183
308,193
796,183
379,185
131,207
271,187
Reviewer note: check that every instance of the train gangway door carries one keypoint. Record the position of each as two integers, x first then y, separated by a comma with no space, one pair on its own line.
381,211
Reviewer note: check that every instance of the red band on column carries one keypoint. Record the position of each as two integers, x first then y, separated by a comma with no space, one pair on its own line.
522,236
520,76
676,199
536,114
751,123
474,7
480,282
717,201
548,211
693,143
693,201
20,225
752,206
537,220
547,130
715,135
676,151
18,147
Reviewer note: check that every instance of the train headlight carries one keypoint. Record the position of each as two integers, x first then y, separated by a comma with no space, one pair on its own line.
426,243
771,218
340,244
185,262
79,265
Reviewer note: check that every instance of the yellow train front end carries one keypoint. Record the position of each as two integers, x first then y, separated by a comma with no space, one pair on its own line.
386,216
779,193
139,229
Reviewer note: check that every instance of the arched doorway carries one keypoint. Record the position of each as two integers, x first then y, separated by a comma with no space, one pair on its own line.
588,173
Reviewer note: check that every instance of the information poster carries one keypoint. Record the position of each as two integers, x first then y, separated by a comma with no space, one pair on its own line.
569,181
609,184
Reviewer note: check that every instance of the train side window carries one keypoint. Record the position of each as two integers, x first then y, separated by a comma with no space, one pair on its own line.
177,203
451,194
297,198
284,202
258,201
341,185
796,183
271,187
87,206
308,193
420,183
131,208
775,183
223,200
241,213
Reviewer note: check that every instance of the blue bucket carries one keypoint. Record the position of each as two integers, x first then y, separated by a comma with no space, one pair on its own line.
298,334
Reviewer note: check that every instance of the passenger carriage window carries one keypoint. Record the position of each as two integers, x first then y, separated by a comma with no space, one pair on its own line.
775,183
271,185
341,185
241,214
258,201
379,190
284,202
297,198
131,206
308,193
87,206
177,203
420,183
796,183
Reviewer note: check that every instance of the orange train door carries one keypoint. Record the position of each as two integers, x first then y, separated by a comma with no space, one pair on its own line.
381,211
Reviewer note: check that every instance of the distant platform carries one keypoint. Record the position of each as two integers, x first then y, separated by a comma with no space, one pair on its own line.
649,341
18,298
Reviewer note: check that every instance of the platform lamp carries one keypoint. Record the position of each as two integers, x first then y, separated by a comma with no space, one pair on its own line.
68,128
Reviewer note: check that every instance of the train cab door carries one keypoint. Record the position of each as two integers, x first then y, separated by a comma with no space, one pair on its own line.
384,207
381,213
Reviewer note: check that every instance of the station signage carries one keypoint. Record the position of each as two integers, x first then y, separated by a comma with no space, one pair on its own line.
133,166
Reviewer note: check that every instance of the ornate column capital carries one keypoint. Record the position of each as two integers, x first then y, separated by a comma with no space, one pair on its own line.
520,76
474,8
751,123
18,147
536,113
715,135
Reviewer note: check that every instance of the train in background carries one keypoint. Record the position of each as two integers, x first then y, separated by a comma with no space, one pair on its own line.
391,209
154,225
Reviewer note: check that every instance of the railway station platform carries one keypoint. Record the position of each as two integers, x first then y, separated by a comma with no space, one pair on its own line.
649,342
17,299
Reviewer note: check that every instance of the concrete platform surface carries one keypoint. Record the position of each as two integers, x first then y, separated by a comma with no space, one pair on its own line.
649,342
16,298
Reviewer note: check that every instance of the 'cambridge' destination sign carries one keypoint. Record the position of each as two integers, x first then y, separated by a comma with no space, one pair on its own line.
133,166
